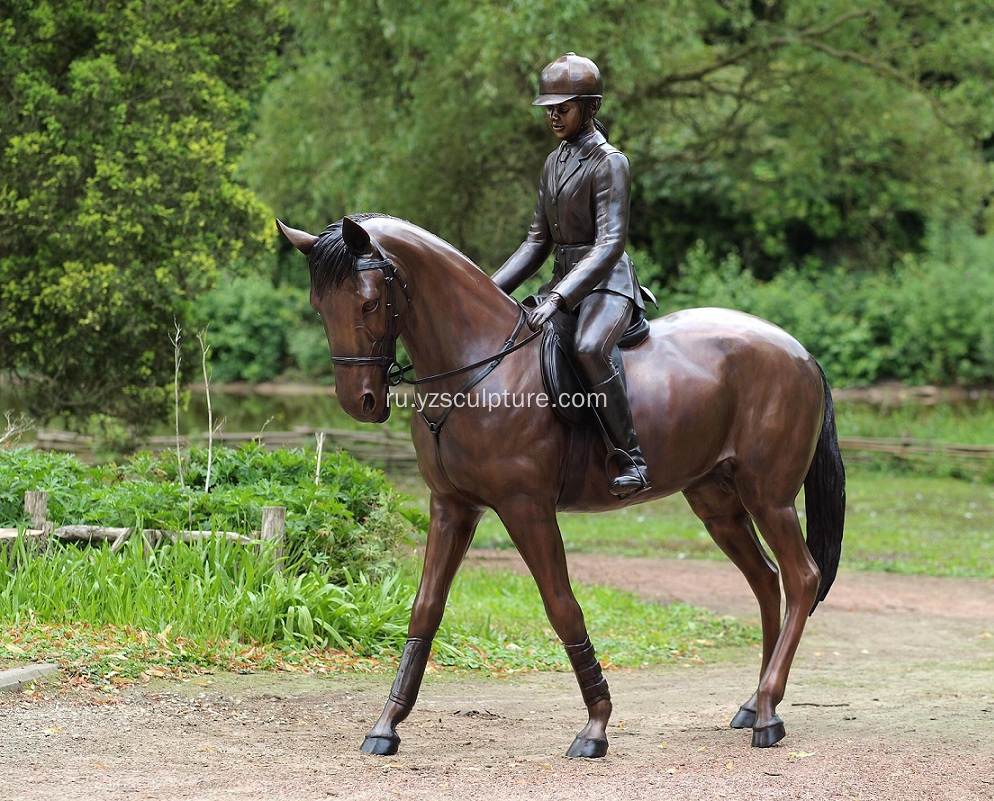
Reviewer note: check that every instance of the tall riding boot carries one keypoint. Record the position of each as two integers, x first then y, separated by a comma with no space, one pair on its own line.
615,415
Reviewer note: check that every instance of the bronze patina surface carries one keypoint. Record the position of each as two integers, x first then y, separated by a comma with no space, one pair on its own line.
731,411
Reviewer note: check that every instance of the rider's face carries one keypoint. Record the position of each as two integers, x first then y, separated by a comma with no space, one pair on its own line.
565,119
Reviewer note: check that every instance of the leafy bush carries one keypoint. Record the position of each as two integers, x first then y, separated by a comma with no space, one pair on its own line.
257,331
929,320
348,525
248,321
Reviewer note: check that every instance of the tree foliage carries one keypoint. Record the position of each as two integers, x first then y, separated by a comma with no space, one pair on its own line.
120,123
784,132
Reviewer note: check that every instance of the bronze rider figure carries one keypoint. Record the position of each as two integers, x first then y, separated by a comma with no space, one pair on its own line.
582,215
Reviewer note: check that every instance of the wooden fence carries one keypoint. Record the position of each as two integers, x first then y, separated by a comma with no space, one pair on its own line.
381,447
394,452
36,507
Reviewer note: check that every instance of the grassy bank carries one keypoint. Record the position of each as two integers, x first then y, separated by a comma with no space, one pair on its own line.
339,599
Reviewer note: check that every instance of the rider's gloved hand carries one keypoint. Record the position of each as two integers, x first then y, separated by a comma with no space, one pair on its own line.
542,313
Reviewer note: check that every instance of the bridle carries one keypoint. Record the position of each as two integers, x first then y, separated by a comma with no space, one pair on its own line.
384,350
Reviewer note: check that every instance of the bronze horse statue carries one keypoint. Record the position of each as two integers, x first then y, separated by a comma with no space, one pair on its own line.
732,412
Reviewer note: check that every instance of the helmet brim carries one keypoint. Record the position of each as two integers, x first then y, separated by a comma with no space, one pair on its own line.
555,100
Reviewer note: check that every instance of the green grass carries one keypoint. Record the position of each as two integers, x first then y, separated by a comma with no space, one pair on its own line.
496,621
214,606
113,618
899,523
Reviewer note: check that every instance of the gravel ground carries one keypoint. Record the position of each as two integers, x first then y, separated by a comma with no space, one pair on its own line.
891,699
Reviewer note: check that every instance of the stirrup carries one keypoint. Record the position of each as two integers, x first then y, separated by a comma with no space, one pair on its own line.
626,485
631,479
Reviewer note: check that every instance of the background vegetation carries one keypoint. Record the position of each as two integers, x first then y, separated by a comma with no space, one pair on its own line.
824,164
832,152
341,597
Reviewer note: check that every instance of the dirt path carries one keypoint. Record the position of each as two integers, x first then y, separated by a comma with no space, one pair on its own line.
891,699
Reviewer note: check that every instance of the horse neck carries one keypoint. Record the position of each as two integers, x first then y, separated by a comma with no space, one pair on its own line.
457,315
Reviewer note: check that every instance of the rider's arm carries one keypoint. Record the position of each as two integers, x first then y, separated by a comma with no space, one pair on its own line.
532,253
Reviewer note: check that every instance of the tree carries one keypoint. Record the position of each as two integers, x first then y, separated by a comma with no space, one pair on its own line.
782,131
120,123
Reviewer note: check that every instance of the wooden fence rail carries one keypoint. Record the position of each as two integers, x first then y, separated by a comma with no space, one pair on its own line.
395,452
36,504
380,446
905,446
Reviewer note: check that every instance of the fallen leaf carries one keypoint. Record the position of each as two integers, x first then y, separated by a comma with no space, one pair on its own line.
52,730
799,754
730,764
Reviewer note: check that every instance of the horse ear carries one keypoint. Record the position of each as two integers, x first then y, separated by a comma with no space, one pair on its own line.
301,240
356,237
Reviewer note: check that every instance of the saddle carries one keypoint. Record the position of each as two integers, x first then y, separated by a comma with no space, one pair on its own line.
560,375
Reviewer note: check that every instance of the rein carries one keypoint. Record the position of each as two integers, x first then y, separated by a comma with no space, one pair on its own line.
396,375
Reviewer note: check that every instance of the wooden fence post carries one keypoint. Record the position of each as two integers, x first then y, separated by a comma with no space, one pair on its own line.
36,506
274,529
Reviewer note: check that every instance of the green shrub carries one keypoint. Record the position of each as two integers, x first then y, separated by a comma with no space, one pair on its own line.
929,320
247,320
349,524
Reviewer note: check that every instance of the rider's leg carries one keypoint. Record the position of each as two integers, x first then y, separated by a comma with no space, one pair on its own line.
603,318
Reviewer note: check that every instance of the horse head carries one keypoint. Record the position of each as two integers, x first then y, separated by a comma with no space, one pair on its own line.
355,290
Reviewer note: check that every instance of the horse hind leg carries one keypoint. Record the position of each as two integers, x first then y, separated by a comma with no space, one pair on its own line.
782,531
719,507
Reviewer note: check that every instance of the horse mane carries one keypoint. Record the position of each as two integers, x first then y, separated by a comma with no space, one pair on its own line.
330,260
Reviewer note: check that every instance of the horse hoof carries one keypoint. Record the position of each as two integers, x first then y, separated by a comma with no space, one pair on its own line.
378,745
744,719
589,749
768,735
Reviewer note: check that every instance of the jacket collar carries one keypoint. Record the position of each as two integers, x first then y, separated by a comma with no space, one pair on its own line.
585,144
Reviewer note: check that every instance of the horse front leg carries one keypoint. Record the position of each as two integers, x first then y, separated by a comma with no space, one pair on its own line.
450,532
535,532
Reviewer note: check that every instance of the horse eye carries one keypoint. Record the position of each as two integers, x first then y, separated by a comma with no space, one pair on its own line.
370,306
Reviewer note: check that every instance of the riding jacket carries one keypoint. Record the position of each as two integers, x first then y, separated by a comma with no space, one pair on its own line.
582,214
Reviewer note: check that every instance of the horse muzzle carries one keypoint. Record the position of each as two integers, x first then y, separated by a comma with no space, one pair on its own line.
365,403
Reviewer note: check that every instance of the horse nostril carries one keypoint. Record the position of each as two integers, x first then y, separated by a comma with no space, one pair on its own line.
368,402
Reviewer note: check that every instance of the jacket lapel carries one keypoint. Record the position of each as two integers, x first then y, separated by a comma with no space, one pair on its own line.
573,163
578,153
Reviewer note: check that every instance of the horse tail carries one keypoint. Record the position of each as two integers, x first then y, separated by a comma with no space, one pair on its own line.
825,499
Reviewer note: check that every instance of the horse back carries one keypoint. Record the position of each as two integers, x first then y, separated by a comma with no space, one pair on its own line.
715,388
